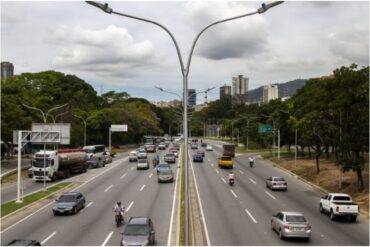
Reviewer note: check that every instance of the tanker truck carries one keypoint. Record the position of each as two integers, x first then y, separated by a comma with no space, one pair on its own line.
58,164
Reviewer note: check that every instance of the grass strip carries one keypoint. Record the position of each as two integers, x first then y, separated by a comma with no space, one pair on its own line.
12,206
13,177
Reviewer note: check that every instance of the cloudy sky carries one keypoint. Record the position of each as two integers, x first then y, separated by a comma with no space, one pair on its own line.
293,40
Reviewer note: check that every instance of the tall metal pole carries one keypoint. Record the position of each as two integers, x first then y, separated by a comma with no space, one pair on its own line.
295,155
84,133
19,166
279,144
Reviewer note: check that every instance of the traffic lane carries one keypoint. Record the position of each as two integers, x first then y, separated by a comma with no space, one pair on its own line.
306,198
228,222
44,219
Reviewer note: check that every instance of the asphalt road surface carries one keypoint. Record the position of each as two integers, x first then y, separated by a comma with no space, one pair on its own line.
241,214
138,190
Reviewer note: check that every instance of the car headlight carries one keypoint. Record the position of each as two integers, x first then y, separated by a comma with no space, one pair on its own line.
124,243
146,242
55,207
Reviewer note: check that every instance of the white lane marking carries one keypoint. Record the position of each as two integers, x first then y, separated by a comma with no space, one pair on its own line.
234,194
173,207
217,171
142,187
107,239
108,188
124,175
88,205
208,159
151,174
273,197
212,164
129,206
132,168
116,163
49,237
252,181
201,207
241,172
250,215
223,180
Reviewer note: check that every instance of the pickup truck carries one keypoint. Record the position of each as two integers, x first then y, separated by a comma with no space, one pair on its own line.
339,205
225,161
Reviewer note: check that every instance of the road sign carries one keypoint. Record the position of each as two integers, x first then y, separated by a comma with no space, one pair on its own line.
63,128
37,137
118,128
264,128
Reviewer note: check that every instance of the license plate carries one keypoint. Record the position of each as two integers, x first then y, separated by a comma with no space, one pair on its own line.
61,211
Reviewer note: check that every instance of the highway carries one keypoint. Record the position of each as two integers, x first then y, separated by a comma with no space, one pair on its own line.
240,215
138,190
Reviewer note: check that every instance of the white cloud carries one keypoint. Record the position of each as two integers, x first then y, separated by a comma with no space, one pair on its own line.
245,36
108,49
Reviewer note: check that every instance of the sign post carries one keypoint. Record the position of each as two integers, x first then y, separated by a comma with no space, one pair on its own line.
116,128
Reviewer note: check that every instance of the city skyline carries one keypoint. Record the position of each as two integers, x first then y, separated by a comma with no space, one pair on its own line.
133,57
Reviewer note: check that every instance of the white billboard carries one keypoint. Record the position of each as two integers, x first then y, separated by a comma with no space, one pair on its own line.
118,128
63,128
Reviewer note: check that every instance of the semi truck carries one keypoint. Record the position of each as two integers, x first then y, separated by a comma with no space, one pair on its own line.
229,150
53,164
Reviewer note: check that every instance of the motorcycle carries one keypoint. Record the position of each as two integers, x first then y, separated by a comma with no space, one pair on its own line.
231,181
251,163
155,162
119,218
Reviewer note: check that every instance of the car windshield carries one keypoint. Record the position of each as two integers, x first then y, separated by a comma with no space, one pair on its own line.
226,158
40,163
279,179
142,161
163,166
66,198
295,218
136,230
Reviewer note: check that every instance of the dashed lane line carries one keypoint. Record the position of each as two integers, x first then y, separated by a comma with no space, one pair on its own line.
107,239
142,187
49,237
273,197
241,172
223,180
151,174
88,205
108,188
232,192
128,208
252,181
250,215
124,175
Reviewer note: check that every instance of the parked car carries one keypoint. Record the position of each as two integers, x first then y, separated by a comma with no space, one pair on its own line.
69,203
201,152
276,183
138,232
96,161
162,146
142,164
163,166
194,145
21,242
132,156
165,175
169,158
339,205
291,224
209,148
142,155
197,158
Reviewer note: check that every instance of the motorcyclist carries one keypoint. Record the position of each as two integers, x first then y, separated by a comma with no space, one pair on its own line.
251,161
231,176
119,209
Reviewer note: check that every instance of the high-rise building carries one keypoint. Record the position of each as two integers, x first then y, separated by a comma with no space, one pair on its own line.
192,97
7,70
240,88
270,92
225,91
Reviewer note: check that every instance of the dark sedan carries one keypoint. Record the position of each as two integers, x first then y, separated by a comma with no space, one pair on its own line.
138,232
197,158
201,153
69,203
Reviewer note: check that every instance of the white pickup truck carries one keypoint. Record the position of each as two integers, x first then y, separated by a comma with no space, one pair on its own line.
339,205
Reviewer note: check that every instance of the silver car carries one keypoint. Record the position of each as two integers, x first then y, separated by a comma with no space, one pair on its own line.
276,183
165,175
291,224
142,164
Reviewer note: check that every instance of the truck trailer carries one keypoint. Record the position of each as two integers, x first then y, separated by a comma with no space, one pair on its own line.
229,150
53,164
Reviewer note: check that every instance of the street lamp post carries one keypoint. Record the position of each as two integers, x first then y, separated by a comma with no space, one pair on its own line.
295,138
185,73
84,121
44,116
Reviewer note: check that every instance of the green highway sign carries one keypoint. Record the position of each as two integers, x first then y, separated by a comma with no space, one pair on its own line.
264,128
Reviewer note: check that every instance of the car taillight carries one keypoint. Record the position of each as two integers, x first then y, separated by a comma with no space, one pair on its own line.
337,209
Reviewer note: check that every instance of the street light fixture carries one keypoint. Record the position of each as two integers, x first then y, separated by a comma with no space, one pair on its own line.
185,72
85,121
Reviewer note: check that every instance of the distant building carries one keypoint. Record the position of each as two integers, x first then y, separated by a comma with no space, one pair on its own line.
161,104
175,102
240,88
192,97
7,70
225,91
270,92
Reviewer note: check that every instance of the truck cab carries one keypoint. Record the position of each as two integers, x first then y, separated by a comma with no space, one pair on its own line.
225,162
339,205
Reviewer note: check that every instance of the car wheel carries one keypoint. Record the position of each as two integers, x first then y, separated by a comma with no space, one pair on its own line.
55,213
281,236
272,226
332,216
75,210
321,209
353,218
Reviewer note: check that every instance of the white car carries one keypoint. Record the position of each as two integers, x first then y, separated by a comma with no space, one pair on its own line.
142,164
132,156
209,148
